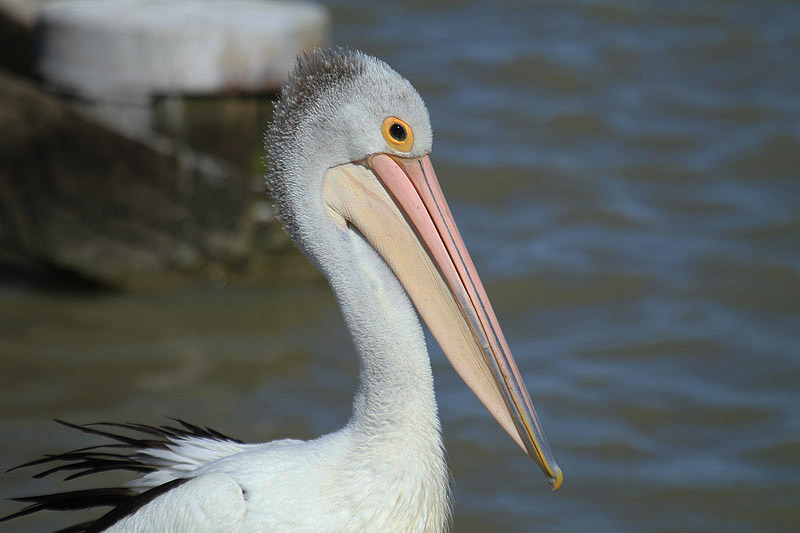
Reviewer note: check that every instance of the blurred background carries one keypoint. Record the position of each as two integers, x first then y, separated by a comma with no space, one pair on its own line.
626,176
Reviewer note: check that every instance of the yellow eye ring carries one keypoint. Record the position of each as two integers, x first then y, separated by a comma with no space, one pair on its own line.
397,134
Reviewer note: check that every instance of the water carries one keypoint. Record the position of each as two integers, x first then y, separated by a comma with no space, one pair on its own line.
627,178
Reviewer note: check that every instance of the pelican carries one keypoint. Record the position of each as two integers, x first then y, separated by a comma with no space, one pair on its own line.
353,185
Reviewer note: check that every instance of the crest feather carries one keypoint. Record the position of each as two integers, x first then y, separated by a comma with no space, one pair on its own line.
314,76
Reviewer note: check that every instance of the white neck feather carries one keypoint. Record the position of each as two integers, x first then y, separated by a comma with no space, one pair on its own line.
395,424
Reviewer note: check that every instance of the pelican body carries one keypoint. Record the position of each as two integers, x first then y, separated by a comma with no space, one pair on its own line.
355,189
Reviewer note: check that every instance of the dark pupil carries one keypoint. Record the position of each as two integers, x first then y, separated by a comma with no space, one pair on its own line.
397,132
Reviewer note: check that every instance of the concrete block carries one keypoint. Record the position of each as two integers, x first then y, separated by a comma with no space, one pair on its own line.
126,49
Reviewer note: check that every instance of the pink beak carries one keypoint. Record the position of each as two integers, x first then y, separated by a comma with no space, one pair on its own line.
398,205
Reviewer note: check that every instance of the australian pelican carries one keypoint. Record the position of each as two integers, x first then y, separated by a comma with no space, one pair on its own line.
354,188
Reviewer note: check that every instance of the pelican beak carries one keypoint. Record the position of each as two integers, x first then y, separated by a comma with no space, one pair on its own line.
397,204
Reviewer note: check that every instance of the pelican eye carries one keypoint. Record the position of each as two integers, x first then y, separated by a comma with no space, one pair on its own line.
397,134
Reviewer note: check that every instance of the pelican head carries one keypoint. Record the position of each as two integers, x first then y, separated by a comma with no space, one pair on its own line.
349,160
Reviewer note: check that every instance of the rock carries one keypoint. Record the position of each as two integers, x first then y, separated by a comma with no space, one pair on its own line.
102,187
82,200
16,37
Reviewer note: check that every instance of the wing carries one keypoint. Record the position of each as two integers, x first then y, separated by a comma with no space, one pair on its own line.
167,492
211,503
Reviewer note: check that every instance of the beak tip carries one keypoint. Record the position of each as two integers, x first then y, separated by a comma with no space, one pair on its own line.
557,480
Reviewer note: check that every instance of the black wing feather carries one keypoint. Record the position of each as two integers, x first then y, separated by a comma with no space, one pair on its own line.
131,505
96,459
72,500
